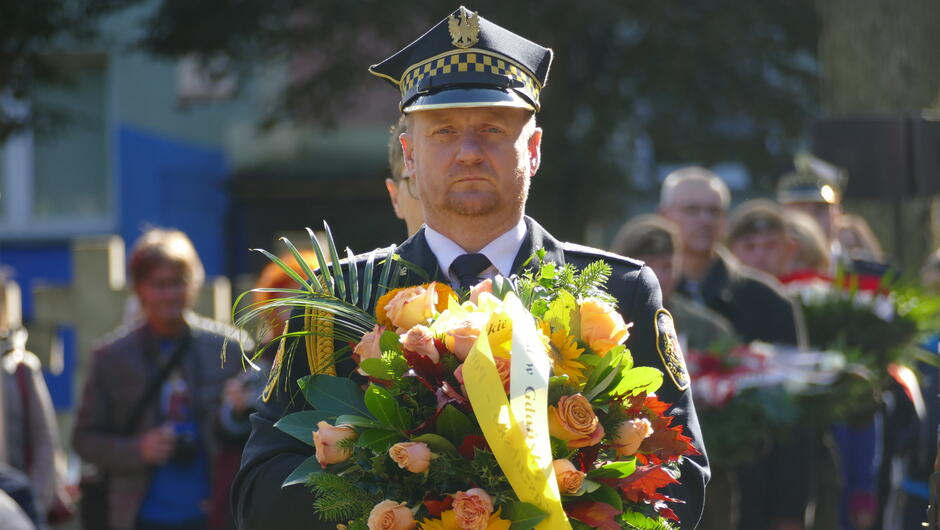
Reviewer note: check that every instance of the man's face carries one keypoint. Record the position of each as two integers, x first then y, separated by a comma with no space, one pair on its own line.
472,163
825,214
764,251
164,294
666,269
697,209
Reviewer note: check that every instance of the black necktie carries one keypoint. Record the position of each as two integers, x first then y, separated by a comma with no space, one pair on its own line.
466,269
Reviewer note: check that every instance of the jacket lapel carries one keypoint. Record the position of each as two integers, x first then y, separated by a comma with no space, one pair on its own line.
415,251
537,237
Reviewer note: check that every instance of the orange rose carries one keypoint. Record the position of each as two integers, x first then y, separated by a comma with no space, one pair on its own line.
630,434
420,340
369,346
574,421
602,327
486,286
472,509
460,338
569,477
391,515
413,456
327,441
412,306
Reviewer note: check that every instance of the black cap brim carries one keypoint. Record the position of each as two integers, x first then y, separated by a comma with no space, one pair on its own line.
468,98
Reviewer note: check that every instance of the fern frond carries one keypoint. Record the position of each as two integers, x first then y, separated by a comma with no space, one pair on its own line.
339,498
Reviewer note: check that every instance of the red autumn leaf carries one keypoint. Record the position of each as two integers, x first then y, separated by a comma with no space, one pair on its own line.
594,514
667,443
668,514
655,406
474,441
424,367
437,507
587,456
644,482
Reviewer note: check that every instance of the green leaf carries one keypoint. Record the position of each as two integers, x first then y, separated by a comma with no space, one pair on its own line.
287,269
377,368
356,421
606,495
454,425
378,440
389,341
621,469
336,395
383,406
638,380
367,274
321,259
301,425
436,443
335,260
386,273
563,314
300,473
523,515
353,277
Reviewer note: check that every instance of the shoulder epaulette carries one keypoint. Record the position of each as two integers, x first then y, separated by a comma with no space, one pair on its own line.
575,248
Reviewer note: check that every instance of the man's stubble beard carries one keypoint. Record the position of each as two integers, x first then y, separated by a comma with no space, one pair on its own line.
487,203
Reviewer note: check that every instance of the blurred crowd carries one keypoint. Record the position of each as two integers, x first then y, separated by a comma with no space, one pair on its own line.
162,421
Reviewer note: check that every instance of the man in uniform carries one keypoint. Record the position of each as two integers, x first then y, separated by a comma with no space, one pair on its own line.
470,90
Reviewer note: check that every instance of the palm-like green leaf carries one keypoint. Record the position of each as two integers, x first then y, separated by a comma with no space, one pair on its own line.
303,264
285,267
335,261
353,278
324,267
367,280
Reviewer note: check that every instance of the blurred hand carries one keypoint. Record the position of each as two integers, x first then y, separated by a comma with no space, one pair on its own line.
156,445
236,395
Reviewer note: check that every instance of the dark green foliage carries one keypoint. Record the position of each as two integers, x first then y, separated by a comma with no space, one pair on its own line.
338,497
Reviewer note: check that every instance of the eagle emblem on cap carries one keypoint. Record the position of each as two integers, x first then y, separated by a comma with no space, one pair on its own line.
464,28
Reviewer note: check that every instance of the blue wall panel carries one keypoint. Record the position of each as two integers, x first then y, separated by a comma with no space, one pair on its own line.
49,263
174,184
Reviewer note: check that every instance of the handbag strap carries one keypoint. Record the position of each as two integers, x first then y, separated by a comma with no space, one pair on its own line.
156,382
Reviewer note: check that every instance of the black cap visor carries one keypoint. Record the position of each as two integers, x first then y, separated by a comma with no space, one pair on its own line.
454,98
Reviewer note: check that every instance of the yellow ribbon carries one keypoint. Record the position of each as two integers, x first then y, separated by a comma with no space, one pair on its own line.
523,450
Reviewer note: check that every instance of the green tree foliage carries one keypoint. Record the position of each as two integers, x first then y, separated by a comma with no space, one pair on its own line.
38,41
701,80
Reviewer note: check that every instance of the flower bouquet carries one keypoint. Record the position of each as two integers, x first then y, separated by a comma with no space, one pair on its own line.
750,394
515,405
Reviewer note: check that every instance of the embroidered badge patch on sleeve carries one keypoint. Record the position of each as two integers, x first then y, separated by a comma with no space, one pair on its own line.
667,344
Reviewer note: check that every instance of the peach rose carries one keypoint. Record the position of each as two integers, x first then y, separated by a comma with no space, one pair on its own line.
327,440
412,306
503,367
369,346
391,515
602,327
569,477
574,421
486,286
472,509
420,340
413,456
630,434
460,338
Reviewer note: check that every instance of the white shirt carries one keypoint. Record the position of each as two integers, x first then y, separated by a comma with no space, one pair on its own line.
501,251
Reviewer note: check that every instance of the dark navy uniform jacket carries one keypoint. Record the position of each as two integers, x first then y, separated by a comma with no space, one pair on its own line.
271,455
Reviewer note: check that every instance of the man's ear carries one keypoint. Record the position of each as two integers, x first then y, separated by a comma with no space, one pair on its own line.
392,188
407,151
535,150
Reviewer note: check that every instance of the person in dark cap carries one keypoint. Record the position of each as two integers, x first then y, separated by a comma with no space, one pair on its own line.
757,236
470,90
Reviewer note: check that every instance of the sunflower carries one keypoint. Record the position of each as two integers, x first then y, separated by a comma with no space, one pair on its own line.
563,350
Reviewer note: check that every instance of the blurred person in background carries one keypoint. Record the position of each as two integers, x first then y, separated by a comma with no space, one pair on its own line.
242,391
757,236
151,410
18,508
815,188
30,440
697,200
857,240
772,489
654,240
809,260
401,187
